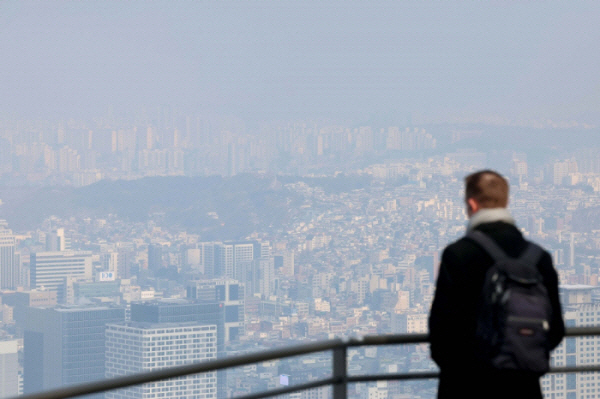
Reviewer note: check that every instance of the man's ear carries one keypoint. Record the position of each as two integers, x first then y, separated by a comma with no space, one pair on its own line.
473,205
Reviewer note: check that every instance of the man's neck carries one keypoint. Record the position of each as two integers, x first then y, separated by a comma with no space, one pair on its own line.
490,215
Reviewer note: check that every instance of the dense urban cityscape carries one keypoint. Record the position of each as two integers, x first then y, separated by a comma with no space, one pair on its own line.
354,253
187,184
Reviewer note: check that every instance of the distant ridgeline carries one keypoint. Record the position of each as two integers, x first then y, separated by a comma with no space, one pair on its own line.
215,207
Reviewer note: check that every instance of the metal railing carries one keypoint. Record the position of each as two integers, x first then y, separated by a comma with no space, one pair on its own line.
339,379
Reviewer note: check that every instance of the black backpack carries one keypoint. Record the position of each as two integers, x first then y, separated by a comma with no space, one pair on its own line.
514,312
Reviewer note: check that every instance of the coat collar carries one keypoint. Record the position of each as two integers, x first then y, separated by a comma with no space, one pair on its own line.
489,215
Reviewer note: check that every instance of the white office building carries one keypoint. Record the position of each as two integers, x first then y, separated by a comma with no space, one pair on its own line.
50,270
579,310
229,259
136,347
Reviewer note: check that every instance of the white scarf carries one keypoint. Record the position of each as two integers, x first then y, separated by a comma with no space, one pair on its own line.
489,215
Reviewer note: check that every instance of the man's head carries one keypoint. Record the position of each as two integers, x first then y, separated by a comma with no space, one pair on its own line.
485,189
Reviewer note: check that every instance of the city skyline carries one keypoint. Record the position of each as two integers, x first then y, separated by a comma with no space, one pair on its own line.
193,180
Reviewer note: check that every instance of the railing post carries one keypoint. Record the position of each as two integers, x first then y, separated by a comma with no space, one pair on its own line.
340,372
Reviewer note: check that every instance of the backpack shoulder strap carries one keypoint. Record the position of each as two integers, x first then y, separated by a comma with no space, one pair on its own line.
488,245
531,255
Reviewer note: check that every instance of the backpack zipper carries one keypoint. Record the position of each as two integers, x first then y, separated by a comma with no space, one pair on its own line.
543,322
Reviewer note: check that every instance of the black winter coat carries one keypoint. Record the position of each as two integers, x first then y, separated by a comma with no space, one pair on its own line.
452,320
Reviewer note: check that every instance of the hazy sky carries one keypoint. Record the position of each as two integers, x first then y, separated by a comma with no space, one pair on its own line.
296,59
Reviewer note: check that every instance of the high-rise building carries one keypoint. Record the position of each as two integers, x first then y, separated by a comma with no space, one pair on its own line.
110,262
231,158
50,270
125,259
135,347
155,254
558,172
224,260
205,313
149,138
9,369
243,253
207,258
230,295
259,277
66,345
190,258
580,309
229,259
267,276
9,267
262,249
55,241
285,263
519,169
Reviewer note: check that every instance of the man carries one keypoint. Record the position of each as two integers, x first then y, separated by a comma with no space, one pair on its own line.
453,317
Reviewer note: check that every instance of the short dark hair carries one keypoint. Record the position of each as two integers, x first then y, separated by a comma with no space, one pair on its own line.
488,188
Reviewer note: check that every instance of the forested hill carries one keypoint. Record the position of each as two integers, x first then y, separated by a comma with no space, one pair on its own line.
242,203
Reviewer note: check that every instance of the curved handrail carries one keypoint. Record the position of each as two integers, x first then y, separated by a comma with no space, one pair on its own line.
272,354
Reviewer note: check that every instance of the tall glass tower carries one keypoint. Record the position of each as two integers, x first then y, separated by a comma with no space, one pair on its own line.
66,345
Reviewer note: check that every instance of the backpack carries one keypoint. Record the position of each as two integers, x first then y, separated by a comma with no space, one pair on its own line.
514,314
